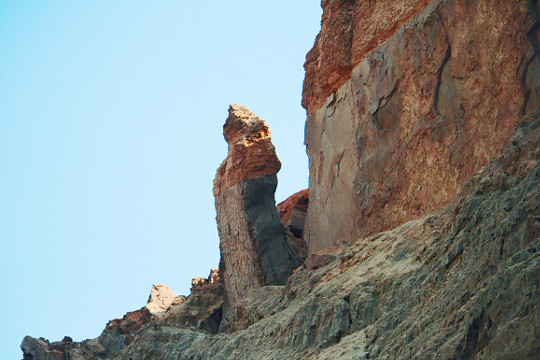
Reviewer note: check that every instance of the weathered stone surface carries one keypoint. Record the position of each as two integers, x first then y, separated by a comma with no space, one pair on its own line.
161,298
131,322
251,152
292,212
460,283
202,310
253,242
199,283
419,115
349,31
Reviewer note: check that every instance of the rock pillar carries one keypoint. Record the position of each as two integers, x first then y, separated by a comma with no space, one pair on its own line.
253,241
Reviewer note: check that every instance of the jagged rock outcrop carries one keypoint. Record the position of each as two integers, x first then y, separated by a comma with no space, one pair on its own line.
406,102
118,333
203,308
292,212
424,119
253,242
160,299
460,283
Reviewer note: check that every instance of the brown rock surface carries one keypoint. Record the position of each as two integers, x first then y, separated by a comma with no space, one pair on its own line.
160,299
253,242
293,212
349,31
419,115
251,152
201,282
292,209
459,283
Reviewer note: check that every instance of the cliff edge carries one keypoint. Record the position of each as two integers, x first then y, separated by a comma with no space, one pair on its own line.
419,235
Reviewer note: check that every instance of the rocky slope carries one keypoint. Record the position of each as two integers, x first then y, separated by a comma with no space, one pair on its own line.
459,283
422,214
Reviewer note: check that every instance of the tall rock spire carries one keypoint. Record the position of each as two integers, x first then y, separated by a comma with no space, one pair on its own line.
253,241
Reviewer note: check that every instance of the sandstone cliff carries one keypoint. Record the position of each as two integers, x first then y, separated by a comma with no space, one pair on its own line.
421,217
406,103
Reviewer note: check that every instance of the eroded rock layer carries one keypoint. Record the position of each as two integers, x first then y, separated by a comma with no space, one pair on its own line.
419,114
253,242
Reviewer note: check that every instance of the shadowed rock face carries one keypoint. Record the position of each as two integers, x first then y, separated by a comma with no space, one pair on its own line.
253,242
418,115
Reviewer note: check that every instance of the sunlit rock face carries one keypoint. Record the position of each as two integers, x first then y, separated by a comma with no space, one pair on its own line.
423,105
253,241
459,283
416,109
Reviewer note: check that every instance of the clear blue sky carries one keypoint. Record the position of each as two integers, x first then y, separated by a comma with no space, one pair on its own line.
111,116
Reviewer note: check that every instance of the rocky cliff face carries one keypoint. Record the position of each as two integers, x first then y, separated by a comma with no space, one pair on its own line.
460,283
422,214
406,122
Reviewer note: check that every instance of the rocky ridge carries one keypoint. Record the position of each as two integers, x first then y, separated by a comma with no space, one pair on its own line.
422,215
459,283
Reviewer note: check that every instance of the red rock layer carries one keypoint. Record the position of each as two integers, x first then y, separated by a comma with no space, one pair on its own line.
131,322
349,31
299,200
251,152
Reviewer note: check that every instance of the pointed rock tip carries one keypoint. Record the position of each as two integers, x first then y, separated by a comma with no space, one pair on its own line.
242,123
161,297
240,112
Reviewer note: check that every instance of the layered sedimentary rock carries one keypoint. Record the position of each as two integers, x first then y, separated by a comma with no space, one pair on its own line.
394,130
349,31
253,242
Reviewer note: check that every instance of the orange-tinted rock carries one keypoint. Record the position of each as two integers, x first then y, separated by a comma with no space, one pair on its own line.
349,31
251,152
214,277
418,115
131,322
254,245
292,212
297,202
